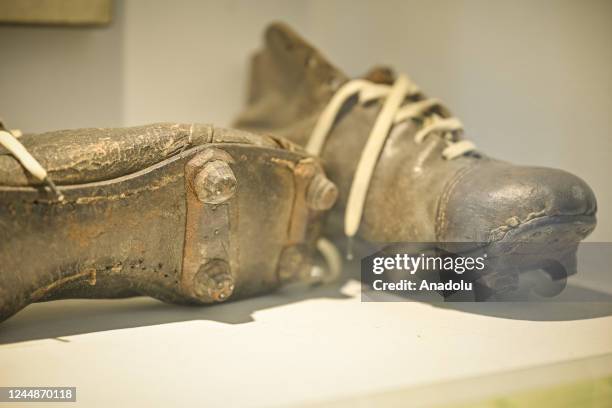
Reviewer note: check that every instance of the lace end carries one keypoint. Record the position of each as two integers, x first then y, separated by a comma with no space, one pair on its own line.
349,248
53,187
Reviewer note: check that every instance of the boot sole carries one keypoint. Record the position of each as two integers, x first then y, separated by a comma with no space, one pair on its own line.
160,231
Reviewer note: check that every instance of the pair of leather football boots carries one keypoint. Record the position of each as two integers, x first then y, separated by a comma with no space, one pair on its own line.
191,213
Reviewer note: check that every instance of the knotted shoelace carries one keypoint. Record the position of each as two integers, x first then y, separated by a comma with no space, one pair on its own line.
396,108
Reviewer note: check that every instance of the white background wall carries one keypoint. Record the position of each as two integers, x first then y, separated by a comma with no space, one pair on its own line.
532,80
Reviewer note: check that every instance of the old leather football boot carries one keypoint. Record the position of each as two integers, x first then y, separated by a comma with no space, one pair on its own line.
404,171
186,213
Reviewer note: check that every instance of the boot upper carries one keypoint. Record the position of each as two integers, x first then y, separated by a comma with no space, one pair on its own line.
415,193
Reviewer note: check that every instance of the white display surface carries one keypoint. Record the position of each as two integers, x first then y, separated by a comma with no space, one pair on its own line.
290,347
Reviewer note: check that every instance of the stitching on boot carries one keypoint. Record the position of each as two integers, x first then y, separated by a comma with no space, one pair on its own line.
513,222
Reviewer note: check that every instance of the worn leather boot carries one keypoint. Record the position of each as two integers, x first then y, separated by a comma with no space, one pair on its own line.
186,213
403,169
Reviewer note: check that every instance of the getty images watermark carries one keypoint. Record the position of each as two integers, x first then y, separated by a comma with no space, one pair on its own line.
425,263
470,271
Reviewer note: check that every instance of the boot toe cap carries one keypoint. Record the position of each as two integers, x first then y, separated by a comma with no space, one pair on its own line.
494,198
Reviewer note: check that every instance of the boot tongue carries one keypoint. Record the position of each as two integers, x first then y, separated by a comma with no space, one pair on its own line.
300,60
290,80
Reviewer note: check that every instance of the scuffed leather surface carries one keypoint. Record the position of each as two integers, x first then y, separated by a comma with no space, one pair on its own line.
494,195
79,156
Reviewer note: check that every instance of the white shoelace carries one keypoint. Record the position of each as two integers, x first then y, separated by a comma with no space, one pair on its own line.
391,113
28,161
